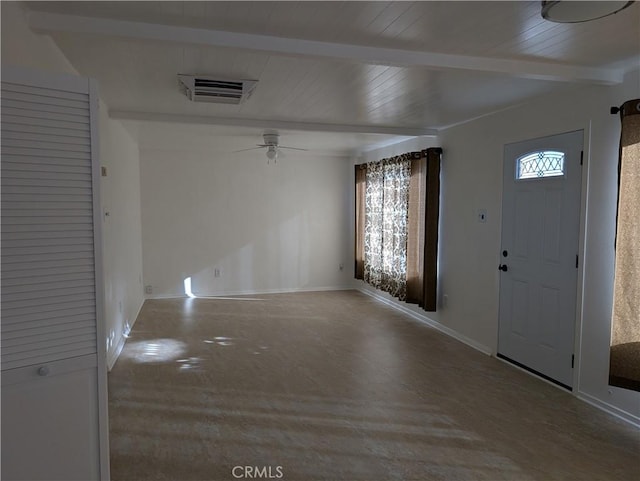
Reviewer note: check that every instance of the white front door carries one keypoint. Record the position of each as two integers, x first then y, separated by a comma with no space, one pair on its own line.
539,254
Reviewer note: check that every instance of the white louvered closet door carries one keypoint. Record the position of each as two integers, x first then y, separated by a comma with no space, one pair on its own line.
53,369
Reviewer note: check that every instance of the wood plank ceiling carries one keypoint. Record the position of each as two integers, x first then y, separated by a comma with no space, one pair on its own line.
369,67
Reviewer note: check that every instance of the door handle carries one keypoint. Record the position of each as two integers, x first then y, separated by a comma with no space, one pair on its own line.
503,267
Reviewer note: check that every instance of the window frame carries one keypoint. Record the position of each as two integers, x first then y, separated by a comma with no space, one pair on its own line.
533,176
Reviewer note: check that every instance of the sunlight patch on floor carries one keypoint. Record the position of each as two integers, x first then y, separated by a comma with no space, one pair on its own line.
154,350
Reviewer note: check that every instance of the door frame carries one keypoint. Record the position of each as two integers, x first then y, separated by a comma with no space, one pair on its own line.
582,228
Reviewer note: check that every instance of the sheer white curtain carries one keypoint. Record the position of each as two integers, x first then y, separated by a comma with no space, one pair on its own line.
385,225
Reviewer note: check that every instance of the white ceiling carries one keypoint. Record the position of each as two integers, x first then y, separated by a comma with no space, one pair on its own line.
361,72
222,139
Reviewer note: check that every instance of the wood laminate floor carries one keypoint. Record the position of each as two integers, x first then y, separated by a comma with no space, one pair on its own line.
337,386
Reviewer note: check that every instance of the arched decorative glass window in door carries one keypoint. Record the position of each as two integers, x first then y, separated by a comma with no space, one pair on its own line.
537,165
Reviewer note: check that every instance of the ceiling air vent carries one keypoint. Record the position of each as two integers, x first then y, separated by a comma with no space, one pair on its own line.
209,89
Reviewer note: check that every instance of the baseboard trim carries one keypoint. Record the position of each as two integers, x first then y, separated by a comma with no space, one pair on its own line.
430,322
253,292
609,408
113,356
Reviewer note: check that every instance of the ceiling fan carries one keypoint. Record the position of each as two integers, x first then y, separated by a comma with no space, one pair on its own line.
271,143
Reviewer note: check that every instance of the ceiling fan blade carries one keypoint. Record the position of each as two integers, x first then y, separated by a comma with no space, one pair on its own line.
291,148
252,148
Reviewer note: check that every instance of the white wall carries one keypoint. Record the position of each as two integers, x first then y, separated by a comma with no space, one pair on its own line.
469,251
266,228
433,318
122,232
120,190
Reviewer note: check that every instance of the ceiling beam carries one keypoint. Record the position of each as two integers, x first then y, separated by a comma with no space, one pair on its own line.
52,22
271,124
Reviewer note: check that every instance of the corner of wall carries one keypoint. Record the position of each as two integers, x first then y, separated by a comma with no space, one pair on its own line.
22,47
120,203
113,353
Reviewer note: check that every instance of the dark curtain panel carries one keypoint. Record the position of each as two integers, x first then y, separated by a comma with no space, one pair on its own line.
624,365
360,176
415,238
432,212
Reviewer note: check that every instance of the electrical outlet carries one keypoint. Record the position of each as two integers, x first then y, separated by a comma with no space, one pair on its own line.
148,289
216,272
341,266
482,215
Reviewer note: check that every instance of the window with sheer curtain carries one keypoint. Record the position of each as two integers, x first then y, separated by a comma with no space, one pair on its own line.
397,205
624,369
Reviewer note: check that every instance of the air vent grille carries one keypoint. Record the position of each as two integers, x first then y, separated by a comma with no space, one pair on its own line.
209,89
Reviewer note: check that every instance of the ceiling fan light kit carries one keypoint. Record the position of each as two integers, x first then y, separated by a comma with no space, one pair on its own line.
272,153
272,144
569,11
